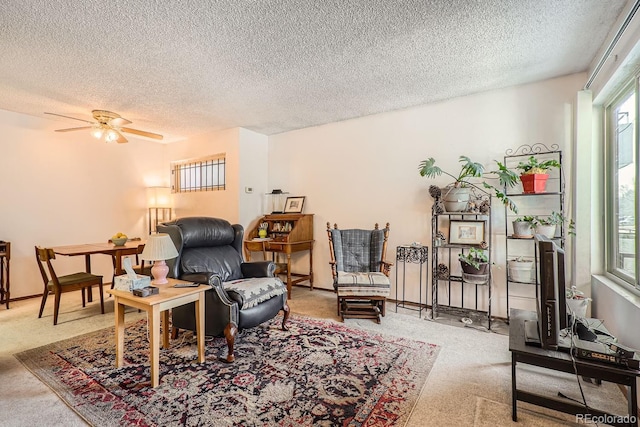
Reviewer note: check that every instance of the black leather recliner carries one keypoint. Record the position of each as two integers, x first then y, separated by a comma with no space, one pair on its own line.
243,294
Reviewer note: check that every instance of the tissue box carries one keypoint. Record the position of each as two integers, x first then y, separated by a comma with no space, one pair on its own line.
125,283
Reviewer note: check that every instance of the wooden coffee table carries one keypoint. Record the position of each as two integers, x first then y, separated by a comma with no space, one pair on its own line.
154,305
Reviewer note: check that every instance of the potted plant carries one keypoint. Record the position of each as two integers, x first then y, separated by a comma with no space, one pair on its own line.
520,270
547,226
475,265
577,303
523,227
456,194
534,174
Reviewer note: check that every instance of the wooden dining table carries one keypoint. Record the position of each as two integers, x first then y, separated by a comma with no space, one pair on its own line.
131,247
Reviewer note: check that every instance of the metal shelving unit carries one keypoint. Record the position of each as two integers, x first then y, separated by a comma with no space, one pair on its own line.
472,300
534,204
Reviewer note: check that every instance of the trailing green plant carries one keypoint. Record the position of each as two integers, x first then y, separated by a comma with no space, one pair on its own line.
474,257
556,218
532,165
470,169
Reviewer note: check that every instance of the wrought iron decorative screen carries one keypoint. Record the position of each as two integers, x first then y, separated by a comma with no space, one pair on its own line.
204,174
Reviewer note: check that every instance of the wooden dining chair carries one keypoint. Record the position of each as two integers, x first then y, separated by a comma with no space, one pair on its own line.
140,267
57,285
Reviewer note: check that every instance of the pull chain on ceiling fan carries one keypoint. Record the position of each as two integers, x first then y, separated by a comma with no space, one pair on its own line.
107,125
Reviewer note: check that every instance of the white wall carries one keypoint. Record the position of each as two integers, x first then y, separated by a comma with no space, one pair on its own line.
246,167
220,204
254,154
354,173
587,174
362,171
613,301
618,306
68,188
623,60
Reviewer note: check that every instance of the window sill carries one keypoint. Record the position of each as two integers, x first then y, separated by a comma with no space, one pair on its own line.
618,305
622,289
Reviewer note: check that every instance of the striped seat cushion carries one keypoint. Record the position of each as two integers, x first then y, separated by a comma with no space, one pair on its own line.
362,284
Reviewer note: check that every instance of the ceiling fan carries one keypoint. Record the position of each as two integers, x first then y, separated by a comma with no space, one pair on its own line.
107,125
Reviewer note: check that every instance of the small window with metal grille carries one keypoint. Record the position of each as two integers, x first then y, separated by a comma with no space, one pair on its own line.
202,174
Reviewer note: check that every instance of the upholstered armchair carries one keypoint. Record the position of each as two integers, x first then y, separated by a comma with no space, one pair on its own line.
360,271
243,294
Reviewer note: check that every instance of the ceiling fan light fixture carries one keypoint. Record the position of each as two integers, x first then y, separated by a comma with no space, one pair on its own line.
97,132
111,135
108,126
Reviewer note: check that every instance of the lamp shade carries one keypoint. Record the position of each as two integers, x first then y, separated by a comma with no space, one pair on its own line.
159,247
275,201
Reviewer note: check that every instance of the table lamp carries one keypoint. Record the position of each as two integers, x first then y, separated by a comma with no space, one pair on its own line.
275,201
158,248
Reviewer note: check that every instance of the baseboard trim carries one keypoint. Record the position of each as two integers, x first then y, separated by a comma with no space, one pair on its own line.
24,298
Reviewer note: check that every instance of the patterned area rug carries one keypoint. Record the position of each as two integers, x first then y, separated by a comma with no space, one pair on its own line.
318,373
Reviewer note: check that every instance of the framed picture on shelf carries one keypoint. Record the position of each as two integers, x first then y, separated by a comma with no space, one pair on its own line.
466,232
294,204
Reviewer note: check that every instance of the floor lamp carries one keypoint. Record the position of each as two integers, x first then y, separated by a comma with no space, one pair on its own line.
160,205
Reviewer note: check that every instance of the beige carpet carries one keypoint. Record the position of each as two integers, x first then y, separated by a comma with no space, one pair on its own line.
490,413
470,383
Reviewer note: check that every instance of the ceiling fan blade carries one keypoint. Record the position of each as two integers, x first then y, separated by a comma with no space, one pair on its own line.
72,129
119,122
121,139
68,117
142,133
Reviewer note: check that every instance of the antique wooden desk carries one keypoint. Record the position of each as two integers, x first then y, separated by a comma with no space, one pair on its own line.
5,281
562,362
286,234
154,305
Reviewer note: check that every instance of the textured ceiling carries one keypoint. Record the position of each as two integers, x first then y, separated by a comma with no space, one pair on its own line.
187,67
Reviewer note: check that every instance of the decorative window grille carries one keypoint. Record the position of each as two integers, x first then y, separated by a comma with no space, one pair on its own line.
203,174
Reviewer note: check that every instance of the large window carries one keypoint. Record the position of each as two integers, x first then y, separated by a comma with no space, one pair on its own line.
203,174
622,192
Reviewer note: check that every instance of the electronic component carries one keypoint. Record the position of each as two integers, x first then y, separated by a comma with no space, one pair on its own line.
602,352
186,285
145,292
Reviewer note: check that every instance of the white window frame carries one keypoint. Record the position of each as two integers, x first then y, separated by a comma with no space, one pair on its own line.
612,217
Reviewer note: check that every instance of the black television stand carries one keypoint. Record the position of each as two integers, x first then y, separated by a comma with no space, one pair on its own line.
562,362
586,329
